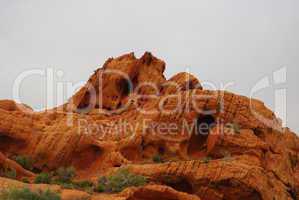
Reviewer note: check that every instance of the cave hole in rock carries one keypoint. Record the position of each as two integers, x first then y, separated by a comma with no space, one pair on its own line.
88,102
199,137
84,103
181,185
85,158
125,87
161,150
230,190
11,145
153,195
117,165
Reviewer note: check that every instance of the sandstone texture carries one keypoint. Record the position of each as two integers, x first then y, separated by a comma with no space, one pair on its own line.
128,114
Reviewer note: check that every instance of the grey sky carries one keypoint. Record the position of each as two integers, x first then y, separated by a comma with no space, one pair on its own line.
222,41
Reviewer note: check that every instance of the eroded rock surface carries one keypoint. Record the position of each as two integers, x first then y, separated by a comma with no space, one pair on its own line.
128,113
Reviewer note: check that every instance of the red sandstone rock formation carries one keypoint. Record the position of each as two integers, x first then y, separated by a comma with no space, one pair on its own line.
244,153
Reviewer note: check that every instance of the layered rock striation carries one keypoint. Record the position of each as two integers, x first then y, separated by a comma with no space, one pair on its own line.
210,145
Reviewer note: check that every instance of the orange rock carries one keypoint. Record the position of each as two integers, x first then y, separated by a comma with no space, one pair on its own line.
216,145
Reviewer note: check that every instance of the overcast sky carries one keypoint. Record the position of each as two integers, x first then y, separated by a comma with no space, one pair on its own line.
223,41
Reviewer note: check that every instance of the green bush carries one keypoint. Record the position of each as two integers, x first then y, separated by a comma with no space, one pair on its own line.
158,158
24,161
65,185
84,185
25,180
10,173
121,180
101,187
26,194
71,184
206,159
43,178
65,175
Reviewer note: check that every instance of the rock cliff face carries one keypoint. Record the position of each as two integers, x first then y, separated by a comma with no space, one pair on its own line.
191,143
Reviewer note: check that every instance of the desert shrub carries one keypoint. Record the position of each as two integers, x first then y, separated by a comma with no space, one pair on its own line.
26,194
206,159
101,187
64,178
10,173
119,181
65,175
43,178
25,180
84,185
158,158
24,161
65,185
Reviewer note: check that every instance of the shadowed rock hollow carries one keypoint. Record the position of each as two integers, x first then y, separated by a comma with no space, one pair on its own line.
189,142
